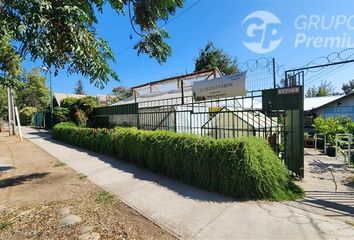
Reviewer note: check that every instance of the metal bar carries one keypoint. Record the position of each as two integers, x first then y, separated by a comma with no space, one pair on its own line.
318,66
274,77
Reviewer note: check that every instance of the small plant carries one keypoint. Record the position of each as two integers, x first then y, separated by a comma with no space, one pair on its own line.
4,224
82,176
105,197
59,164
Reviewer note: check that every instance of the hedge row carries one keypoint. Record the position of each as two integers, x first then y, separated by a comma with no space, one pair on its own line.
243,168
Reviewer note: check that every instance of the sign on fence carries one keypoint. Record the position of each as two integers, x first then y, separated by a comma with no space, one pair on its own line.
228,86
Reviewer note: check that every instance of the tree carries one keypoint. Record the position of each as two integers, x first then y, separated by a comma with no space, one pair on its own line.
348,87
122,93
63,33
79,89
35,92
324,89
3,101
10,63
211,57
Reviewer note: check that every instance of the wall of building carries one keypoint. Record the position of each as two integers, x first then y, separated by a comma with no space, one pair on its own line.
341,107
124,119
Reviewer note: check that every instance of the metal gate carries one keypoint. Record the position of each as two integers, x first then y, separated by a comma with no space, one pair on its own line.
274,114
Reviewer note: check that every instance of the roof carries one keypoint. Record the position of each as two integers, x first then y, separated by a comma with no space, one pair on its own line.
170,93
204,73
318,102
255,119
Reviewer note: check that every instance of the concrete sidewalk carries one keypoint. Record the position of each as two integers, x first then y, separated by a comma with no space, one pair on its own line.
328,190
188,212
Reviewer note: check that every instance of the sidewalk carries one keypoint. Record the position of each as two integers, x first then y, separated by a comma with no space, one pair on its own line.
328,191
188,212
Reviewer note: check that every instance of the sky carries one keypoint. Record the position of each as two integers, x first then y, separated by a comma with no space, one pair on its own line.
289,31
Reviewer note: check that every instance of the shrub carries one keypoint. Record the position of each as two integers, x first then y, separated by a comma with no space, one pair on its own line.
69,103
243,168
100,122
80,110
333,125
87,104
66,124
26,115
61,114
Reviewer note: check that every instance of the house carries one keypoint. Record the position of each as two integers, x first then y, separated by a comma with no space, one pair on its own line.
59,97
168,104
341,105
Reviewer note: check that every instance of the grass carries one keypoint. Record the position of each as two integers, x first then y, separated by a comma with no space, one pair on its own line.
351,178
349,223
59,164
105,197
293,192
4,224
82,176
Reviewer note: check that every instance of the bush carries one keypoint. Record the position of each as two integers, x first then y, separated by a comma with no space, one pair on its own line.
243,168
69,103
61,114
66,125
80,110
79,118
87,104
333,125
26,115
100,122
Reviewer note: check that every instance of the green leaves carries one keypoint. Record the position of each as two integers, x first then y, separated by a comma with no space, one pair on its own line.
243,167
154,46
211,57
35,93
63,33
333,125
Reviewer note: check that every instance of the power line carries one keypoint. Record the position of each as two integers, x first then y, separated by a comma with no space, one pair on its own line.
167,22
315,79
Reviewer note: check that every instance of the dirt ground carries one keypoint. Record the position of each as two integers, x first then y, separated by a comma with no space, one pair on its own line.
40,191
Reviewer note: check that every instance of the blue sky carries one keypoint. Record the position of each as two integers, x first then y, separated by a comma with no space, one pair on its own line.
221,22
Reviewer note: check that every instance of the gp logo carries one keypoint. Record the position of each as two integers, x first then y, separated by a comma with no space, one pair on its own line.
262,31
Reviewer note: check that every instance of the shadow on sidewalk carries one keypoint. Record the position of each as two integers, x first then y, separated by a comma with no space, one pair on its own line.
334,203
184,190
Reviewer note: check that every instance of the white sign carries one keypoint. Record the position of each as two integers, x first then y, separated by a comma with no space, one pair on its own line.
228,86
284,91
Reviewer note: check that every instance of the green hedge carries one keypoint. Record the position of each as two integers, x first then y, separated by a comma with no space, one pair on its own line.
243,167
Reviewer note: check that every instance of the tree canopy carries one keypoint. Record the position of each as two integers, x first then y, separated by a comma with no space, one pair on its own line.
35,92
348,87
3,101
79,89
122,93
324,89
63,34
211,57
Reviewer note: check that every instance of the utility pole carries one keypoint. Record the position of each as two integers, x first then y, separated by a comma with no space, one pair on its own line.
48,71
11,111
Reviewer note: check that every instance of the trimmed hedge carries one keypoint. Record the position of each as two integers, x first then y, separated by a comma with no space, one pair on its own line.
244,167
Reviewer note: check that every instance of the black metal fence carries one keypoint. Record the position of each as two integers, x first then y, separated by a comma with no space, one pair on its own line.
259,114
216,118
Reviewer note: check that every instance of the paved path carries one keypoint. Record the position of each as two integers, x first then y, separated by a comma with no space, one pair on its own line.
190,213
328,190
